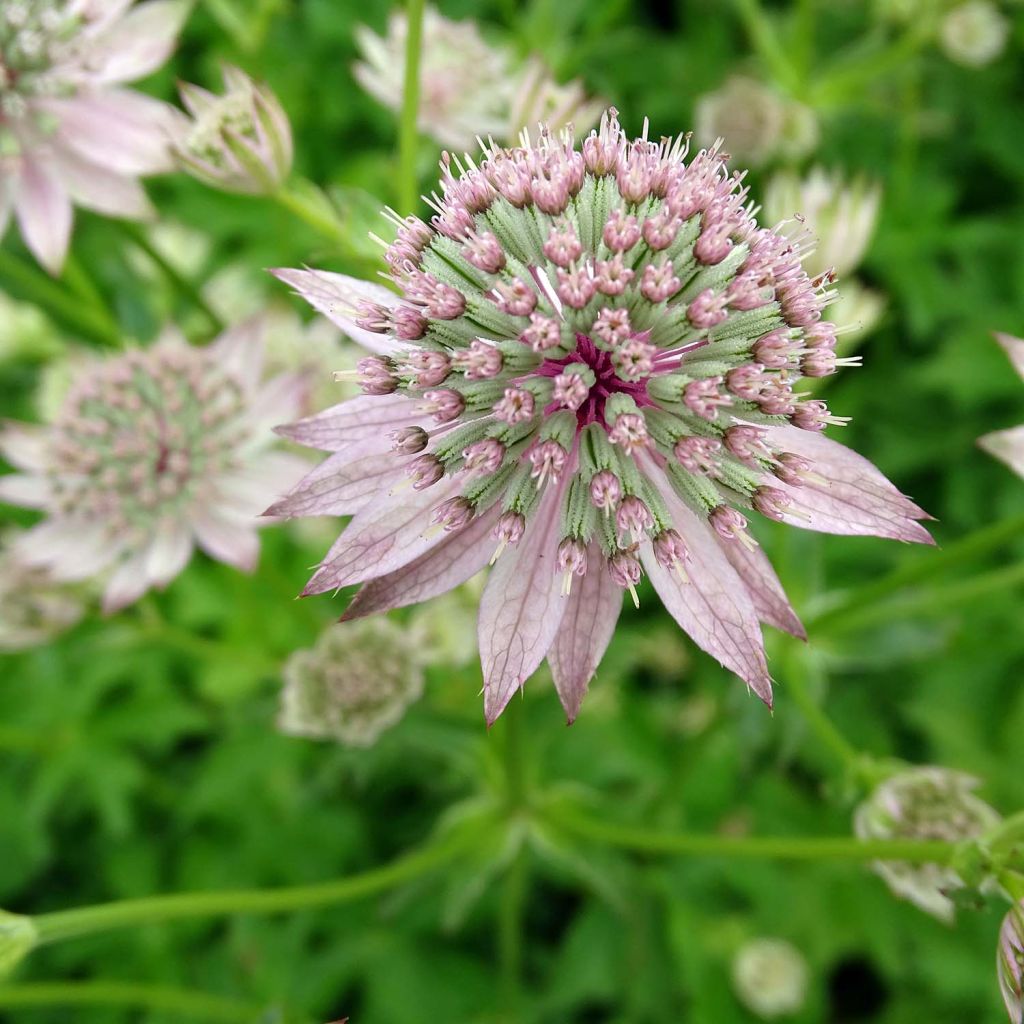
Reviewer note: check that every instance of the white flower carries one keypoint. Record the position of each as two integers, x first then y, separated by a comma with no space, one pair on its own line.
974,34
770,977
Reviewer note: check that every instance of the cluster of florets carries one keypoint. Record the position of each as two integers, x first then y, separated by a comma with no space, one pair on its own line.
927,803
353,684
32,32
140,436
570,310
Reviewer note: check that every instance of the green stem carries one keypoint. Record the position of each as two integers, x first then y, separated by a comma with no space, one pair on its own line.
183,1004
408,136
766,43
38,287
315,213
798,688
926,566
642,840
186,288
69,924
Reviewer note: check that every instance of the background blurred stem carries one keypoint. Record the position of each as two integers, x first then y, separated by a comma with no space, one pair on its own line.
765,41
408,136
297,200
92,321
184,1004
181,284
68,924
643,840
926,566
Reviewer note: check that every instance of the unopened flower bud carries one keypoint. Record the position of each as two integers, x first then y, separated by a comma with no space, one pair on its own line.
770,977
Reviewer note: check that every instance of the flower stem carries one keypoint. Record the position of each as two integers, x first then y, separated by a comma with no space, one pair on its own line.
642,840
186,288
934,562
69,924
183,1004
307,203
407,127
93,322
765,41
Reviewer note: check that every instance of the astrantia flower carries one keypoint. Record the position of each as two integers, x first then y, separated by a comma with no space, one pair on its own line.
355,683
240,141
589,376
468,87
68,131
841,215
757,123
1010,962
33,608
1008,445
770,977
152,452
924,803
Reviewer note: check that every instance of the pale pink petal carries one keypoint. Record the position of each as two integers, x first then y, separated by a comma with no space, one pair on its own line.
1007,446
239,351
1014,348
94,187
855,498
458,557
367,417
713,606
521,608
168,553
7,190
25,491
760,578
24,445
389,532
127,583
227,541
588,624
125,132
340,486
70,550
136,44
243,492
278,400
44,215
336,296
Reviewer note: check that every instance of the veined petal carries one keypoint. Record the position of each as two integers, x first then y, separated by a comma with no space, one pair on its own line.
227,541
96,188
389,532
70,550
1007,446
336,296
137,43
713,606
340,486
44,214
769,598
368,417
856,499
591,613
458,557
521,608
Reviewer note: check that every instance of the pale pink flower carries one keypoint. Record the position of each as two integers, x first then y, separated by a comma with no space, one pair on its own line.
1008,445
1010,962
153,452
588,492
69,131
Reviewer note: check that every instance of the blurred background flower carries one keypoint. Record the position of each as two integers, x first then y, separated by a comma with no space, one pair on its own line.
770,976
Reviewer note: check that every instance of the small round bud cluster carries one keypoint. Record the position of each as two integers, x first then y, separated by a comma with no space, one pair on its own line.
355,683
240,141
924,803
770,977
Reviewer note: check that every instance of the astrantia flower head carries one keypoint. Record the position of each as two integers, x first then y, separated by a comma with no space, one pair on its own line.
1010,962
240,141
33,607
152,451
841,215
355,683
770,977
589,376
924,803
68,131
1008,445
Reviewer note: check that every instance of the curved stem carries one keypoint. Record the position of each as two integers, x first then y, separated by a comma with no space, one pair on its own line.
642,840
183,1004
68,924
407,128
959,552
